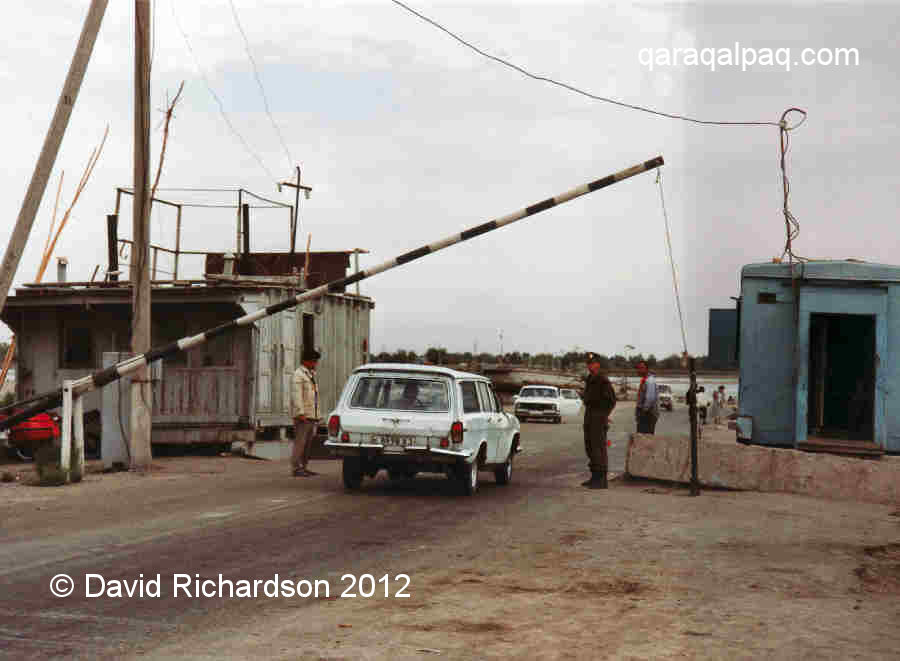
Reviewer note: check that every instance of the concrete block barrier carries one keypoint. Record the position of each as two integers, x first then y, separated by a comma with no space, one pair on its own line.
727,463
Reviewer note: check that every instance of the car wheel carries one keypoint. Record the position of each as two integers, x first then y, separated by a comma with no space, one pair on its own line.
468,477
558,420
503,474
352,472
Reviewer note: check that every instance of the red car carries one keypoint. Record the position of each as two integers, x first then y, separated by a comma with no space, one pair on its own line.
30,434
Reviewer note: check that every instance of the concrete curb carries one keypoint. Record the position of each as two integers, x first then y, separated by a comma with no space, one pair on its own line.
732,465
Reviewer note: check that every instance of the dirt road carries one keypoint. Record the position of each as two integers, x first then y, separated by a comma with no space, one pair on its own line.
539,569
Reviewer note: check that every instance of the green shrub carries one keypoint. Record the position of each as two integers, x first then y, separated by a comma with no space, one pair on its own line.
52,476
49,472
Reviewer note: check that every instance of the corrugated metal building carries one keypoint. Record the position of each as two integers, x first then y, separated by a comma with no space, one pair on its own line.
819,356
234,387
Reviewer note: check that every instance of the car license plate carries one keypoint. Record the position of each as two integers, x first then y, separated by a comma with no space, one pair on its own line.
396,443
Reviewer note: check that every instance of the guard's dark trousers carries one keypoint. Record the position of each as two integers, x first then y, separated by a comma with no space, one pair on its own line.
646,422
595,429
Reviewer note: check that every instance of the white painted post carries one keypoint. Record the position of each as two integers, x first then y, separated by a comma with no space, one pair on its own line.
66,440
78,435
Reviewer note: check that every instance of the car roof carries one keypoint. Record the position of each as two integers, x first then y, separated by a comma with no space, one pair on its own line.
539,385
426,370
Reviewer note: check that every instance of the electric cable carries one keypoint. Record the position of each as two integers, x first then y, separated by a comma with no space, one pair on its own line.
262,91
662,200
792,226
215,96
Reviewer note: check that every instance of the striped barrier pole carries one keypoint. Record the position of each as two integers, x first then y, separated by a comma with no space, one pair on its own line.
126,367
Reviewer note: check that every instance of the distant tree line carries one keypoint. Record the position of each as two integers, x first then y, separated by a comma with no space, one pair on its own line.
566,361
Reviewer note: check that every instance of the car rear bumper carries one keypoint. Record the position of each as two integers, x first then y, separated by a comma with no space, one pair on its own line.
415,454
537,414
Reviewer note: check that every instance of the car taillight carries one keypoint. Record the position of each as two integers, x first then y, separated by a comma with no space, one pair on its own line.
345,436
456,432
334,425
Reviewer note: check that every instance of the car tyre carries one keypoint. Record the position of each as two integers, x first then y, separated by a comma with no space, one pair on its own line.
503,474
352,472
467,474
558,420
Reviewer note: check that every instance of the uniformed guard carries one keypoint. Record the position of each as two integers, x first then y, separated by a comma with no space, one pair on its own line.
599,402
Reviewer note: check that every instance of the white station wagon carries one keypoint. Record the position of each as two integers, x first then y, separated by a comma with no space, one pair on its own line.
419,418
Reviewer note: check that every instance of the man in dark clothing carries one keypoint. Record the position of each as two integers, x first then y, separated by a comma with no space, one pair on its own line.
599,402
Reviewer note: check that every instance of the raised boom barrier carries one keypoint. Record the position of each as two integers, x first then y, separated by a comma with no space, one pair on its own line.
103,377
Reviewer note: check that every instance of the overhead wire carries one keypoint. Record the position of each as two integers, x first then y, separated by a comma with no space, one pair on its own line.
792,226
215,96
572,88
262,91
662,201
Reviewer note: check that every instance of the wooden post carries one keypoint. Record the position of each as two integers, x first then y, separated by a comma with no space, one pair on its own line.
245,210
295,215
52,141
177,242
77,472
112,246
140,254
155,257
296,212
65,445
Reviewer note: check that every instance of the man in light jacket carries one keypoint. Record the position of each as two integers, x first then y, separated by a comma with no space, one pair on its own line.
305,411
646,412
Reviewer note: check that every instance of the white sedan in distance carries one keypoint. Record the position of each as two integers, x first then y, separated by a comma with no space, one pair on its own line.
570,403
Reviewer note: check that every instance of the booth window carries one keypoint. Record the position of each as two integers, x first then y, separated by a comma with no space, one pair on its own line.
77,348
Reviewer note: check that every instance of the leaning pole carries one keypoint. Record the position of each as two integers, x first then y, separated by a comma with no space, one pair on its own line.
106,376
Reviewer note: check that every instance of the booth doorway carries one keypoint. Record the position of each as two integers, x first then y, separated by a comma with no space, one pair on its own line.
842,377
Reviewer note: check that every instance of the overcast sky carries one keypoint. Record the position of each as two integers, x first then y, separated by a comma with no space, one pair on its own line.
407,136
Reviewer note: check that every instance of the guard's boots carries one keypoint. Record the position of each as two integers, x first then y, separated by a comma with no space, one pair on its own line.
597,481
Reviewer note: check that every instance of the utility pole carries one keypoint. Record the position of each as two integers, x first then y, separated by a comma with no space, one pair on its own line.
307,191
141,393
52,141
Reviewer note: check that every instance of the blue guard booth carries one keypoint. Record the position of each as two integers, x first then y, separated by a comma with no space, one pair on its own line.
819,356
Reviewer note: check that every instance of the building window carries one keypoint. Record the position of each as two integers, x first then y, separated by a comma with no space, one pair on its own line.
765,297
77,348
218,351
309,332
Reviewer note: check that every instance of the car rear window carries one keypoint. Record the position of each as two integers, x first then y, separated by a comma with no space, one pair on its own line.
394,393
469,397
538,392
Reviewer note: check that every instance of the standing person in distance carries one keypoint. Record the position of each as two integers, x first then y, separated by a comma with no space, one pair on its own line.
305,411
599,402
646,411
